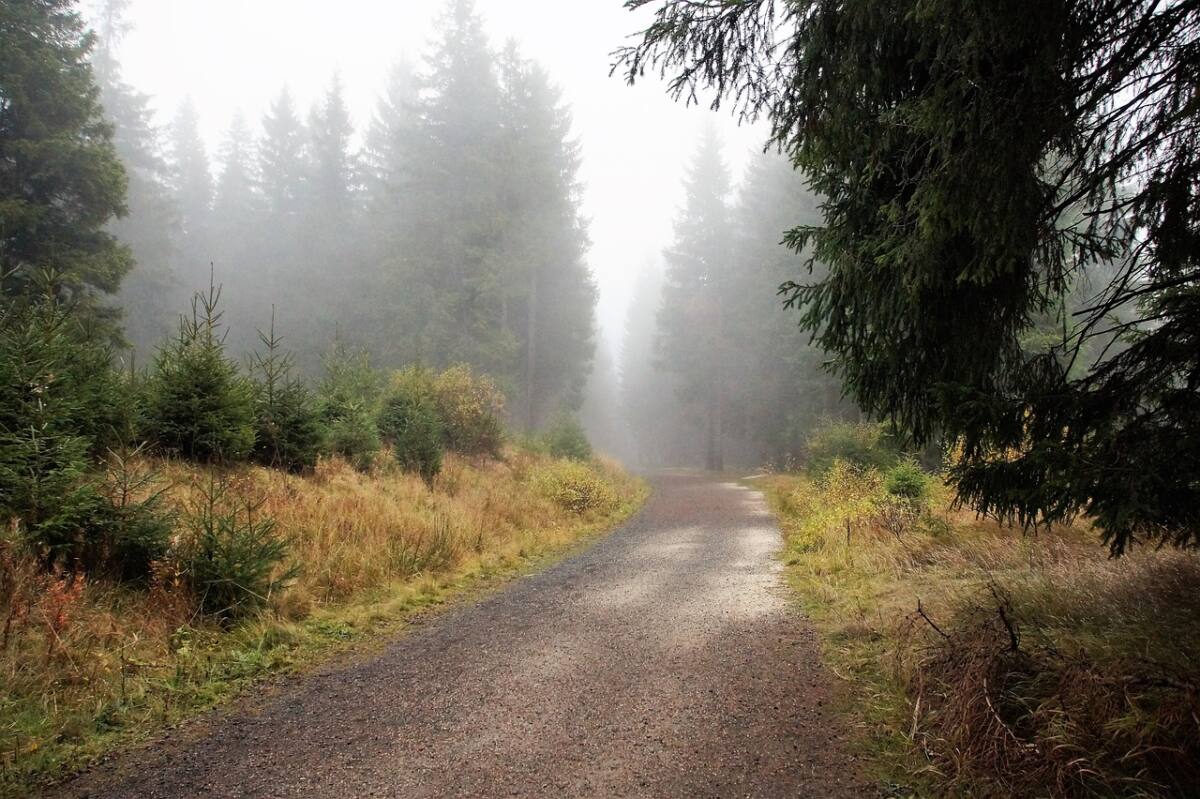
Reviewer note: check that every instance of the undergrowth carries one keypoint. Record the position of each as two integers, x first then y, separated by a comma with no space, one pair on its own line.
984,662
88,665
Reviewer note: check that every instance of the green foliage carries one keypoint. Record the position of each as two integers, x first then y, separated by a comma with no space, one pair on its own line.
232,556
198,404
566,438
289,433
575,487
348,398
53,388
410,423
60,178
864,445
977,163
471,408
134,526
907,481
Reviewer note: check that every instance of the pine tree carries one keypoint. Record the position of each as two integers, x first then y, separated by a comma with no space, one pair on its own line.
546,288
973,158
237,238
692,334
282,168
61,181
147,292
192,187
448,265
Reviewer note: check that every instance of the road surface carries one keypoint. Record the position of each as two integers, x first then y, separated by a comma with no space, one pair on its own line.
665,661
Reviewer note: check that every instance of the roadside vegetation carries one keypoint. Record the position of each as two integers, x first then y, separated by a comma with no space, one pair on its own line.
984,661
175,533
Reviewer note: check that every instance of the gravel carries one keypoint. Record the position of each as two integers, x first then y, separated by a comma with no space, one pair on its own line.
665,661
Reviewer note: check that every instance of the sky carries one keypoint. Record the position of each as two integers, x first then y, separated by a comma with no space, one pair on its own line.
235,55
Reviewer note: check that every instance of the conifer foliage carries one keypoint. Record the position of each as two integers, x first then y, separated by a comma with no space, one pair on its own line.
975,160
61,181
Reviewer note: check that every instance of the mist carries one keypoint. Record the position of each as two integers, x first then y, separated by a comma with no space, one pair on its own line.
464,183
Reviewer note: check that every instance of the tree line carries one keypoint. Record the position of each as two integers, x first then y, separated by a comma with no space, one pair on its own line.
445,231
715,371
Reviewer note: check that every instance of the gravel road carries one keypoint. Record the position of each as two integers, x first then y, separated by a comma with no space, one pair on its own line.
665,661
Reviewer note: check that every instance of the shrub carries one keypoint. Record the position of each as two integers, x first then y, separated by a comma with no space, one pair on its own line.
135,527
348,399
409,422
471,408
58,407
865,445
907,481
574,487
289,433
198,405
233,555
566,438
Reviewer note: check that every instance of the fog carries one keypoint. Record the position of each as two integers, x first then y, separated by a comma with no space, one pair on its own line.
231,55
466,182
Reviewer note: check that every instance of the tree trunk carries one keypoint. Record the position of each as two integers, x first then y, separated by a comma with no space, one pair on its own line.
531,354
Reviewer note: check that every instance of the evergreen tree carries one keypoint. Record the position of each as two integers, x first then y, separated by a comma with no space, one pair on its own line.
192,186
692,328
547,291
198,404
779,387
448,261
61,181
282,168
388,148
973,158
147,292
237,231
282,173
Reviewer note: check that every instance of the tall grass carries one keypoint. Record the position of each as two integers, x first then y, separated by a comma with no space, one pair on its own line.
984,662
86,665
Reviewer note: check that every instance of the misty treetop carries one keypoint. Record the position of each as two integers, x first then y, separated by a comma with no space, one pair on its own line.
714,371
448,232
979,163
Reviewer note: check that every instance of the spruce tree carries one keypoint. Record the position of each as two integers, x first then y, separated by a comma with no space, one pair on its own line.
692,326
147,293
451,307
192,189
973,158
546,287
198,404
61,181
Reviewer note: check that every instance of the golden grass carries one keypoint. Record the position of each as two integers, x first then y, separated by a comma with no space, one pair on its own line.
87,666
1098,696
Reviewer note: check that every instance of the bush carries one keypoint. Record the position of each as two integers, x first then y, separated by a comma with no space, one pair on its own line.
907,481
471,408
348,399
865,445
60,404
198,405
409,422
233,556
289,433
566,439
574,487
135,526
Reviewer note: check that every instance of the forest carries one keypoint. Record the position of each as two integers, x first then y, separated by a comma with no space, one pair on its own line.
886,345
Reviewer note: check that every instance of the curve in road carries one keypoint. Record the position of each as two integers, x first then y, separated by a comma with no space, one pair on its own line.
665,661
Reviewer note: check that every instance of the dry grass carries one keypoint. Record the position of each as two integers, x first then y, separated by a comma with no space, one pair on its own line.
983,662
85,666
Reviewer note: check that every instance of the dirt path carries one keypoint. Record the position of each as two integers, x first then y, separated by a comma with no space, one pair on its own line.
663,662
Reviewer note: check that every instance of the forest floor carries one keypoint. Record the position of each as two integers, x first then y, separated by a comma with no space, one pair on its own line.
666,660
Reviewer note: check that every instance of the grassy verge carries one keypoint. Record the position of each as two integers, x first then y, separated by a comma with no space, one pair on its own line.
89,667
983,662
